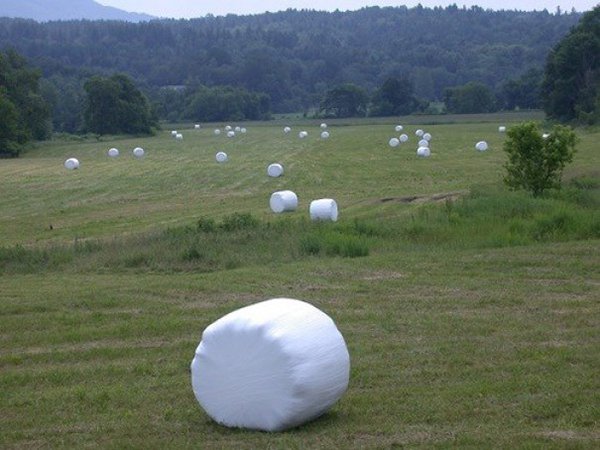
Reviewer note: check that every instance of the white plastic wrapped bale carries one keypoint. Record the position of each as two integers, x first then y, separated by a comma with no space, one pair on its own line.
423,143
230,134
419,132
501,129
282,201
113,152
72,164
545,135
323,209
482,146
228,128
427,136
270,366
394,142
275,170
243,130
138,152
237,129
303,134
399,128
423,152
173,133
217,132
286,130
323,126
221,157
179,137
403,138
325,135
197,126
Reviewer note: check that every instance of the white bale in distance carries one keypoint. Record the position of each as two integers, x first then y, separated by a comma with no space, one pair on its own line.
270,366
423,143
419,132
72,164
423,152
217,132
243,130
197,126
545,135
282,201
427,136
286,130
323,126
403,138
221,157
138,152
173,133
482,146
228,128
502,129
237,129
325,135
113,152
179,136
302,134
230,134
394,142
323,209
399,128
275,170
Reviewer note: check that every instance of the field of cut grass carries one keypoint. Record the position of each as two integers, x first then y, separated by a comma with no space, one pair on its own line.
472,314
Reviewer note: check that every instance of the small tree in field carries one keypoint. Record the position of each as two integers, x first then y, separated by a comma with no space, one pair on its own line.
535,163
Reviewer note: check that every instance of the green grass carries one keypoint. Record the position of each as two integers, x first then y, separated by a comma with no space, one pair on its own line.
471,313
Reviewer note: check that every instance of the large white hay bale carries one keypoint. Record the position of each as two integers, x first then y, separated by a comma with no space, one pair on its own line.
179,137
197,126
237,129
502,129
423,143
231,134
325,135
72,164
243,130
423,152
113,152
275,170
323,126
302,134
173,133
398,128
217,132
427,136
403,138
323,209
228,128
394,142
482,146
419,132
221,157
545,135
282,201
270,366
287,130
138,152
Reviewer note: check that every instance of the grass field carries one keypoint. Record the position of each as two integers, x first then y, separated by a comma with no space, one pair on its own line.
472,314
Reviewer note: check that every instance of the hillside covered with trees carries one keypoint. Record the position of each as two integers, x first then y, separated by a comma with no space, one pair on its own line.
296,57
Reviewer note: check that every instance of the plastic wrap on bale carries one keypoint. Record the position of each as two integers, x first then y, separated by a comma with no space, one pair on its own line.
270,366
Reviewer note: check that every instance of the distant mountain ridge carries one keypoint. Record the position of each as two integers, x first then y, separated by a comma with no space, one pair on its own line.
50,10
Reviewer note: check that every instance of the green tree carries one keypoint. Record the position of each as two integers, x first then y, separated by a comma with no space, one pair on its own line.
535,163
226,103
523,92
472,98
114,105
346,100
12,136
571,87
394,98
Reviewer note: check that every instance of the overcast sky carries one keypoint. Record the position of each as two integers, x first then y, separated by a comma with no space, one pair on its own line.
199,8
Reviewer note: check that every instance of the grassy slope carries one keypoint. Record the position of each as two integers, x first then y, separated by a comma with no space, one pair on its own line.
463,346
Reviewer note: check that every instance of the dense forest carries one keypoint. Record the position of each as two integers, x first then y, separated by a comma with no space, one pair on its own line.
294,56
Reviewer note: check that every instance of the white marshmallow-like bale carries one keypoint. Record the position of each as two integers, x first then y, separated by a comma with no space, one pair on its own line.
323,126
394,142
482,146
173,133
243,130
230,134
423,143
221,157
275,170
228,128
270,366
325,135
427,136
286,130
72,164
403,138
399,128
282,201
179,137
502,129
113,152
197,126
545,135
217,132
419,132
237,129
323,209
138,152
303,134
423,152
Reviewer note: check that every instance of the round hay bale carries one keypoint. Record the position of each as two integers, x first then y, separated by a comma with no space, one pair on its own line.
403,138
323,126
237,129
423,152
138,152
72,164
270,366
113,152
173,133
217,132
228,128
275,170
221,157
502,129
394,142
323,209
286,130
545,135
419,132
302,134
481,146
423,143
325,135
427,136
179,137
197,126
398,128
231,134
282,201
243,130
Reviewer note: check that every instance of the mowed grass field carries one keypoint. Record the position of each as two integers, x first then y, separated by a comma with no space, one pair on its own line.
471,314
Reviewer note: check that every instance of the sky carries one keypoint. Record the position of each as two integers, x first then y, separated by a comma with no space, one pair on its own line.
198,8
